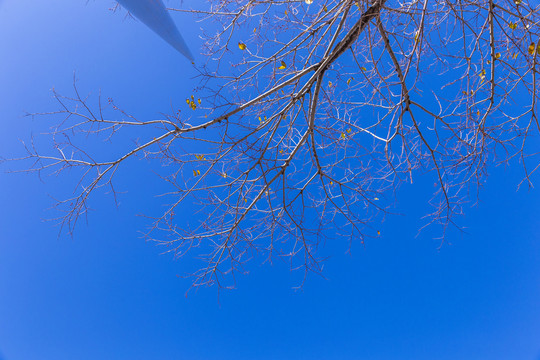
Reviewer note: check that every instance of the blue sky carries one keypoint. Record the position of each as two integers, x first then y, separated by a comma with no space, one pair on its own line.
106,294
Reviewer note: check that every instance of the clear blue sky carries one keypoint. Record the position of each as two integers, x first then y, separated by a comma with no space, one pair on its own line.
106,294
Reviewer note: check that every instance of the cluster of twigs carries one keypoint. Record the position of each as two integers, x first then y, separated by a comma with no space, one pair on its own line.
310,112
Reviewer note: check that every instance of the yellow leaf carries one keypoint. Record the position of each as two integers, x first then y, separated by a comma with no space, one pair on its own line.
325,9
331,183
349,130
329,84
187,101
255,30
517,2
349,81
497,55
478,112
378,233
199,101
309,2
512,25
196,172
283,65
286,12
531,49
514,56
363,68
343,135
376,198
241,46
224,175
482,74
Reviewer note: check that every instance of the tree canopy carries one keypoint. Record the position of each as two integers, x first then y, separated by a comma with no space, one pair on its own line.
308,115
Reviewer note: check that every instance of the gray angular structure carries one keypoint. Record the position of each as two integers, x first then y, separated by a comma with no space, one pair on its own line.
154,15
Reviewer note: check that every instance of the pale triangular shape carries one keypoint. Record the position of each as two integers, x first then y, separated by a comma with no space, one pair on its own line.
154,15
